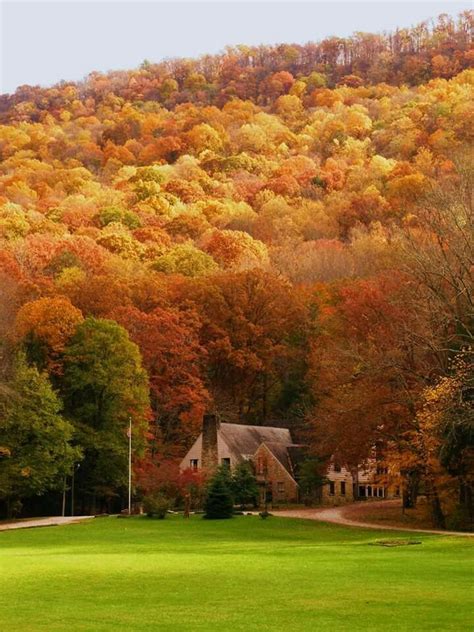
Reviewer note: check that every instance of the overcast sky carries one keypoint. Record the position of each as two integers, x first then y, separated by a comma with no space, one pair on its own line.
44,42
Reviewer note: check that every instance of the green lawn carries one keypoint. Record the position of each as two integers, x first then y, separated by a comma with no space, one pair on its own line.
240,574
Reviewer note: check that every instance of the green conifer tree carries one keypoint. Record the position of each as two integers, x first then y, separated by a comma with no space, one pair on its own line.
244,484
219,501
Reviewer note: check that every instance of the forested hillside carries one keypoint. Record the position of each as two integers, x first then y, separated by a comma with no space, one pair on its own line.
281,234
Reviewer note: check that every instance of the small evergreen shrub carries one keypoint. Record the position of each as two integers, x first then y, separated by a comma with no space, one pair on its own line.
219,501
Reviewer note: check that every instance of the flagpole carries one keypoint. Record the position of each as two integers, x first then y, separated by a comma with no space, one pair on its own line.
63,509
130,466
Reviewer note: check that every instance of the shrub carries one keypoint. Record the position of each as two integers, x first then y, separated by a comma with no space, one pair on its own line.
219,502
244,484
156,506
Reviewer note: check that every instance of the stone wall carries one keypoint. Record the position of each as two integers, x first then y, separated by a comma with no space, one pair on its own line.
282,487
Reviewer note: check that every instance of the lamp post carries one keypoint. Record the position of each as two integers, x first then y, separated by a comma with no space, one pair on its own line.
74,466
265,497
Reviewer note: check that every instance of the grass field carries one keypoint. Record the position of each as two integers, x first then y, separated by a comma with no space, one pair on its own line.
240,574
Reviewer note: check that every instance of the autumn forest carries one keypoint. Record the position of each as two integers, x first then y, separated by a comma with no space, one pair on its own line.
279,234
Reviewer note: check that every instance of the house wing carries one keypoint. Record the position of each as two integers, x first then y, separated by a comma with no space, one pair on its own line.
280,453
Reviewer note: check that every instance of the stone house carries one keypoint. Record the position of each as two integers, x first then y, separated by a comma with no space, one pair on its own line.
270,449
275,458
369,482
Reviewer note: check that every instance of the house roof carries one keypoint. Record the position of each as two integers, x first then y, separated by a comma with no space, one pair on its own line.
243,441
280,451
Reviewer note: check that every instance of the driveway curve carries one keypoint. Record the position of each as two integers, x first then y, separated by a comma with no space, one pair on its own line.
42,522
336,515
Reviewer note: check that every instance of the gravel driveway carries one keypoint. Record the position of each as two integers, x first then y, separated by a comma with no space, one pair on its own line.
336,516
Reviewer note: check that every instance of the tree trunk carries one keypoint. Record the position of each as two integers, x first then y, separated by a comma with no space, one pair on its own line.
466,501
355,478
437,514
410,489
406,501
264,398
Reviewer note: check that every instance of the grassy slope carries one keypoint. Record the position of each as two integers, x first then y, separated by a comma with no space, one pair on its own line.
242,574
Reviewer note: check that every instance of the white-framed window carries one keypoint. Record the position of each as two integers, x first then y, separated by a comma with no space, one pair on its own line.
225,461
194,464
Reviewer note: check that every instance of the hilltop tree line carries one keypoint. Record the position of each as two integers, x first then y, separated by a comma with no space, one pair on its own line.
280,234
431,49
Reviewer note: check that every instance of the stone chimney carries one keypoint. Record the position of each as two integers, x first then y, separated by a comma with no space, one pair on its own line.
210,427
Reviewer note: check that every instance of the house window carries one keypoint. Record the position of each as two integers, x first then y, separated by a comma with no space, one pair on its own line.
381,492
281,488
260,465
369,491
332,488
193,463
337,467
225,461
343,488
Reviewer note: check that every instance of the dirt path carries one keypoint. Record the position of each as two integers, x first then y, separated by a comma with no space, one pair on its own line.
336,515
42,522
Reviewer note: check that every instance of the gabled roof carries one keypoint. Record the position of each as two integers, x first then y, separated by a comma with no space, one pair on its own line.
243,441
280,451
